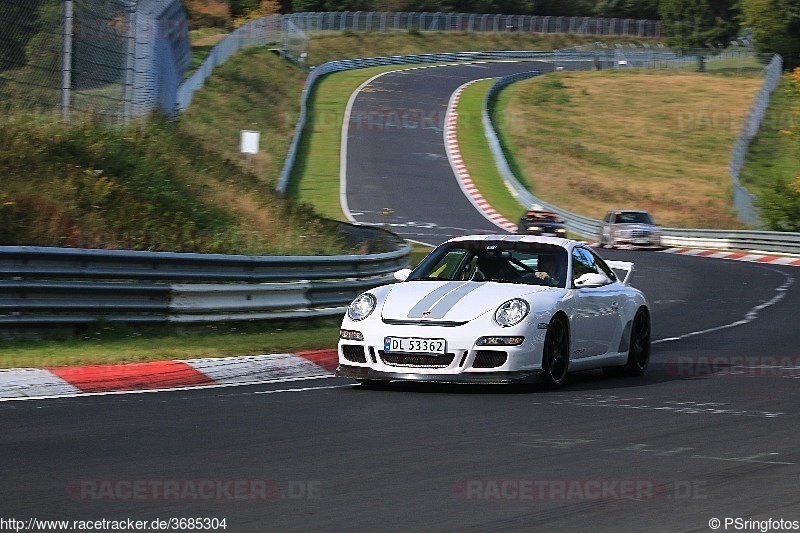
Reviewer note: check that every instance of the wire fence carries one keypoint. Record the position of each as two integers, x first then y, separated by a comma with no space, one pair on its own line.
256,33
122,59
743,200
119,59
471,22
31,54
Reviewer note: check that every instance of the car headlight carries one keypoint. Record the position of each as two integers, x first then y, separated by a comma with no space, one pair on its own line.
511,312
362,307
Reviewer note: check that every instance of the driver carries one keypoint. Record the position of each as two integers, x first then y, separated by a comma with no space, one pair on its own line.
548,270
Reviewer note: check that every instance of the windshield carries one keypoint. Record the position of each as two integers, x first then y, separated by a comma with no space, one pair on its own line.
634,217
499,261
542,217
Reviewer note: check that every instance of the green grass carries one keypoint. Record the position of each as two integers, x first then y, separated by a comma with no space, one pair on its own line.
772,165
325,47
774,156
477,155
315,176
107,344
593,141
149,186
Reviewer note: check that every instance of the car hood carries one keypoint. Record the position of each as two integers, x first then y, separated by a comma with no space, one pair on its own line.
458,301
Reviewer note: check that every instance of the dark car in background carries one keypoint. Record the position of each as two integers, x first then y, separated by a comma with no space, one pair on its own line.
629,227
537,221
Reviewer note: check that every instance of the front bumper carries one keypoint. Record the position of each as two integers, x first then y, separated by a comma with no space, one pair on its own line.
364,372
637,243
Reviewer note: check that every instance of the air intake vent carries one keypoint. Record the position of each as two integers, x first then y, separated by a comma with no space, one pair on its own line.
489,359
427,361
354,353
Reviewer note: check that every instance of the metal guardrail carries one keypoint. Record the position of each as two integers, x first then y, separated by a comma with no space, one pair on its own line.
773,241
67,286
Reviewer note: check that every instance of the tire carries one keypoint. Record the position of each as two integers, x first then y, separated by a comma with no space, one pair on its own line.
639,349
555,355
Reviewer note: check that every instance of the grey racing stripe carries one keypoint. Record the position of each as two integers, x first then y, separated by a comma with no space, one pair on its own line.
451,299
433,297
442,300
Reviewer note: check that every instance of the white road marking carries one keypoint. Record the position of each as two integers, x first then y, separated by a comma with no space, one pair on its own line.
304,389
750,316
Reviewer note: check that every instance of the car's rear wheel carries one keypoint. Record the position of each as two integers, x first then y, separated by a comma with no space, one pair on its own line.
639,350
555,357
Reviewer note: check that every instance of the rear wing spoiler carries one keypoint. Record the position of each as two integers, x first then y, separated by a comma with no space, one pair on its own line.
625,266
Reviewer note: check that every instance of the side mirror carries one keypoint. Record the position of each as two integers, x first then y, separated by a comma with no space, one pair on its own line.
402,275
591,279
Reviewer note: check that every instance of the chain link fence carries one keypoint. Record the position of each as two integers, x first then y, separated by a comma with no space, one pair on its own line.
30,54
470,22
260,32
743,200
119,59
122,59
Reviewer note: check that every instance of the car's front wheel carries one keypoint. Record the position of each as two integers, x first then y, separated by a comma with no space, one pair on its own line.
555,357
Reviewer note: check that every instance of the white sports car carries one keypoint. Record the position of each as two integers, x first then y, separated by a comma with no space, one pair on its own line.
498,309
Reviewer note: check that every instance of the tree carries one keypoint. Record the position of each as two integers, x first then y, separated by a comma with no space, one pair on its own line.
627,9
564,8
776,27
700,23
241,8
780,205
19,23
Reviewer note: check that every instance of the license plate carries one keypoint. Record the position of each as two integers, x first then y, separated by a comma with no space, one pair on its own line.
414,345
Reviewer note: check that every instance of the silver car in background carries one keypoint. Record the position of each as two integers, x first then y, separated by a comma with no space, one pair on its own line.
629,228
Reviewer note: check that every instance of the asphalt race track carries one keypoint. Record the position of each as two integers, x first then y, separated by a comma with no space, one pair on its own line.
710,432
398,173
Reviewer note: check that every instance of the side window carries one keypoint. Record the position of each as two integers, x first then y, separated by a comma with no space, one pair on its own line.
583,262
604,268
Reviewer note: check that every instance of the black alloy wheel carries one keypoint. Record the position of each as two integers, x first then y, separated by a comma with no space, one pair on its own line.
555,359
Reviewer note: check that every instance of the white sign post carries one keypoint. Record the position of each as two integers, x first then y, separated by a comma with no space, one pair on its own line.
249,143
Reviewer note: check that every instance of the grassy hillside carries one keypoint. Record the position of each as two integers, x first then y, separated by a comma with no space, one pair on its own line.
772,167
151,186
593,141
